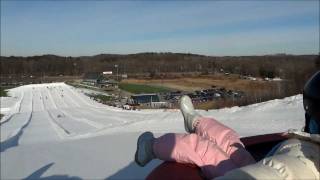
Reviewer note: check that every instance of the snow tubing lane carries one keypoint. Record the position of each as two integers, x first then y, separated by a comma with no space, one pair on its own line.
14,140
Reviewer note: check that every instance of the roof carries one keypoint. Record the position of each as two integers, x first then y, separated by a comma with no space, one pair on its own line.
137,95
145,98
92,75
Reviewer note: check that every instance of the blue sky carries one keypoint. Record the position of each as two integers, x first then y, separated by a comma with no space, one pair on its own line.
75,28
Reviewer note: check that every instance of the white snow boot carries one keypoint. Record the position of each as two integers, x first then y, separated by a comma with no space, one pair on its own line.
188,112
144,153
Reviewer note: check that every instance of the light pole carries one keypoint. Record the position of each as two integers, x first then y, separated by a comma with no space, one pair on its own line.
119,91
116,66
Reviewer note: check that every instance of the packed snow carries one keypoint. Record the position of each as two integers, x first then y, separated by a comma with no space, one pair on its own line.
55,131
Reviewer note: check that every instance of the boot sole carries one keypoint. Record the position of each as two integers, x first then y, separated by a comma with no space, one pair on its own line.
138,148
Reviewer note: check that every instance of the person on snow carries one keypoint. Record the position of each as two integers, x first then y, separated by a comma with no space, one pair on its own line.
220,154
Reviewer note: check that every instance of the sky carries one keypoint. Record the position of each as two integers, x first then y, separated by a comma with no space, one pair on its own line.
216,28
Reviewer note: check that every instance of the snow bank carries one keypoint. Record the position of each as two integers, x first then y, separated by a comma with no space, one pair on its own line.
55,131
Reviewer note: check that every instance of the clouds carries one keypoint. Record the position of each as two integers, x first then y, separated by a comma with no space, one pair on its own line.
205,27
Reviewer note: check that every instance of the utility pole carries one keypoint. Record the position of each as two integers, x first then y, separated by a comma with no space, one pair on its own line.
116,66
43,78
119,98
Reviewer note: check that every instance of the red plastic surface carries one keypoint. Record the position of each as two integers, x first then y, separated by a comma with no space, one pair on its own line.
175,171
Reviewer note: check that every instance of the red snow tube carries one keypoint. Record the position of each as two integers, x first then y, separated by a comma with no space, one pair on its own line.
258,146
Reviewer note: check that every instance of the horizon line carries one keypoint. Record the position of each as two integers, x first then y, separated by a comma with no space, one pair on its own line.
150,52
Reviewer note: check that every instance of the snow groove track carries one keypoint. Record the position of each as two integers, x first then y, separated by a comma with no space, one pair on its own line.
55,112
13,135
15,109
13,139
61,112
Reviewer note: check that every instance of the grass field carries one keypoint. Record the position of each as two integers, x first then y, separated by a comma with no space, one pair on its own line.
3,92
142,88
231,82
255,90
102,97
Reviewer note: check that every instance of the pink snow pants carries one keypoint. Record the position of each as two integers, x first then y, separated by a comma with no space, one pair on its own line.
214,148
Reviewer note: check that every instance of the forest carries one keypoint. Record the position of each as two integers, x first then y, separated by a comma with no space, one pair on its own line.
296,68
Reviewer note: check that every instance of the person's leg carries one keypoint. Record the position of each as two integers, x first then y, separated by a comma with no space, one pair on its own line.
226,138
193,149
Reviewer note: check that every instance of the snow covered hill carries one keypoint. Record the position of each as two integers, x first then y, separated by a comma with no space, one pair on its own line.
55,131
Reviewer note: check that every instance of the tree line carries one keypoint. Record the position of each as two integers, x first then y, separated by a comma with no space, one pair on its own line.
296,68
263,66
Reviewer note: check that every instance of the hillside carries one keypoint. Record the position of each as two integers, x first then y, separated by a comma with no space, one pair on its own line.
157,63
55,131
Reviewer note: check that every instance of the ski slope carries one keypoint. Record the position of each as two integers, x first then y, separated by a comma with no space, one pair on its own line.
55,131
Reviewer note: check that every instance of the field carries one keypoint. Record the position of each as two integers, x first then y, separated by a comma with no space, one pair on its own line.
232,82
3,92
142,88
101,97
254,90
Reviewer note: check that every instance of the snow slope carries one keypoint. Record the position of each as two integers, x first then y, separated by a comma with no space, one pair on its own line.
55,131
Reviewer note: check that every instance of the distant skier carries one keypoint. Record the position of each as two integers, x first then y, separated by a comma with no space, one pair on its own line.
217,149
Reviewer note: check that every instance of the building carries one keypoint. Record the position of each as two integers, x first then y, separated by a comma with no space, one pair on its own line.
148,101
145,98
108,83
99,80
93,78
159,105
107,73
